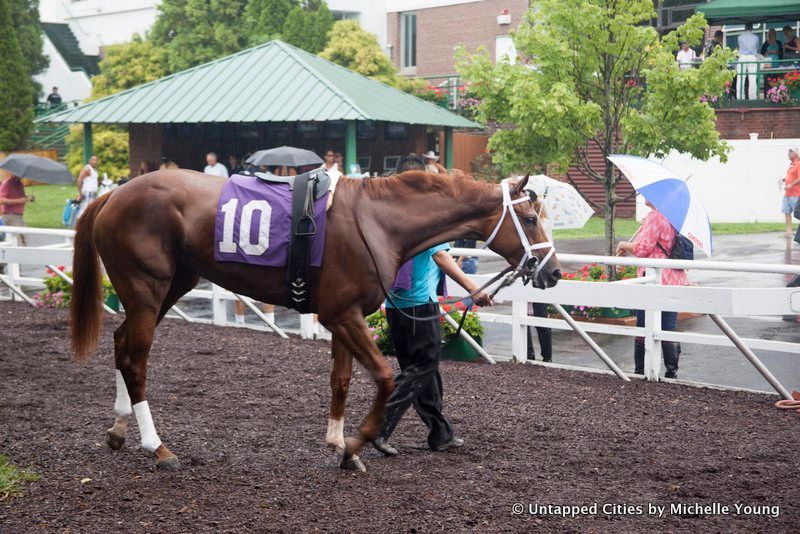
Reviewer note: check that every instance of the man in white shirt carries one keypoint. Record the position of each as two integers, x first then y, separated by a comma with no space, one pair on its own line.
686,56
746,68
215,167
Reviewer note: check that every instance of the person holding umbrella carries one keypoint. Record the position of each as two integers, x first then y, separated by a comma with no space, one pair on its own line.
655,239
675,209
12,203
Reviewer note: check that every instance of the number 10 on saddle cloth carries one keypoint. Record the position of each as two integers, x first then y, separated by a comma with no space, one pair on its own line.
254,221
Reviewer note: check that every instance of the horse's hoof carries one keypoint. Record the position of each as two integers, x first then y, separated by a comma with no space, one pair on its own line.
114,441
169,464
353,463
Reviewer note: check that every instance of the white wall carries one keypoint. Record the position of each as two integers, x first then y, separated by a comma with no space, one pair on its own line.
745,189
97,23
73,86
371,15
394,6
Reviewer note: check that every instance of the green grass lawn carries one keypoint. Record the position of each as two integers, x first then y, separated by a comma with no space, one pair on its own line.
627,227
12,478
46,212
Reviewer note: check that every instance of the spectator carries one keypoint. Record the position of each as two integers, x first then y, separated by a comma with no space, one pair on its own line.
87,184
330,161
418,346
412,162
54,99
167,163
686,56
234,165
214,167
432,163
747,67
655,239
791,188
339,160
145,167
468,264
539,309
713,43
772,49
791,48
12,203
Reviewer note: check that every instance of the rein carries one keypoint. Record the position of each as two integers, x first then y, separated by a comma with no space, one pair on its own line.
510,273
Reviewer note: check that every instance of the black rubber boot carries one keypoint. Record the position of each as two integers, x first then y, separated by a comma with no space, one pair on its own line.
546,342
638,356
531,350
671,352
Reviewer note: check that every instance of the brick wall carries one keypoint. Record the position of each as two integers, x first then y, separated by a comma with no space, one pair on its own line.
769,123
440,29
145,144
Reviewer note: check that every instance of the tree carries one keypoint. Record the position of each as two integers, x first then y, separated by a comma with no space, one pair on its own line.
264,19
595,73
124,66
25,20
197,31
128,65
308,29
352,47
16,86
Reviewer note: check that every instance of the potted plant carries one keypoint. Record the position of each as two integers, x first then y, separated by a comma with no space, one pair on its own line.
379,330
456,347
597,273
58,292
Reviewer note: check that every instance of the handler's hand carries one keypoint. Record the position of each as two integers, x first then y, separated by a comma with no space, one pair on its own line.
483,299
620,250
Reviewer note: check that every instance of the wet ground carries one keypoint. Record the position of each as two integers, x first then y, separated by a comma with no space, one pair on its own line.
246,414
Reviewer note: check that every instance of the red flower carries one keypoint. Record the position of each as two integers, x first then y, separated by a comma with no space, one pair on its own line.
474,308
447,308
459,305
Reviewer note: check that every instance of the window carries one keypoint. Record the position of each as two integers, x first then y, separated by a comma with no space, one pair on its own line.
345,15
408,41
504,49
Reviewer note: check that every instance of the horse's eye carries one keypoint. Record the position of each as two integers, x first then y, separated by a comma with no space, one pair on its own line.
530,221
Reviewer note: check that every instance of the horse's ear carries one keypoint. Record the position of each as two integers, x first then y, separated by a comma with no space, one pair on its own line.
520,186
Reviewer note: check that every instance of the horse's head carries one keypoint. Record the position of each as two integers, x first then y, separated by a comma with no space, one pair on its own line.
516,233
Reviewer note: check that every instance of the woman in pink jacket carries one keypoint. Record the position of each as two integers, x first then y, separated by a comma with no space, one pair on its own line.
655,239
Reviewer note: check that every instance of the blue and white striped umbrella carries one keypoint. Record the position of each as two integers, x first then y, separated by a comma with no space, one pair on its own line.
671,195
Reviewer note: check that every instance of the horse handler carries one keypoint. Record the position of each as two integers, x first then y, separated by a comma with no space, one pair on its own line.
418,345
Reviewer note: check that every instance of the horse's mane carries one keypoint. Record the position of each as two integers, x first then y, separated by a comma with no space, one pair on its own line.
456,184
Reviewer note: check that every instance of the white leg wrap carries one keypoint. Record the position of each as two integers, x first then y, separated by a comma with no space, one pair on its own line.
122,406
335,434
150,439
270,316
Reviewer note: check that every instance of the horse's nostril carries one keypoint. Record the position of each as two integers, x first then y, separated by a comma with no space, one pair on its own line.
556,274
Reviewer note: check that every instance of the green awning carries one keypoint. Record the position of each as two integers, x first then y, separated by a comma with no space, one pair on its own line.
272,82
740,11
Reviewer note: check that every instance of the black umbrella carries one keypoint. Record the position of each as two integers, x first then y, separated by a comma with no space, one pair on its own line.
37,168
284,155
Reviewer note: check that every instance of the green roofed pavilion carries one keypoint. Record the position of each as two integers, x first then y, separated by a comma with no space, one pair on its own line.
273,82
739,11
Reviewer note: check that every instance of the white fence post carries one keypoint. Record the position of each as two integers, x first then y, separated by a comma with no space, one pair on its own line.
652,326
218,305
519,338
12,270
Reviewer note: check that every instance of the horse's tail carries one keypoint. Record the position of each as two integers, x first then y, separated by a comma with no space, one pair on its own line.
86,306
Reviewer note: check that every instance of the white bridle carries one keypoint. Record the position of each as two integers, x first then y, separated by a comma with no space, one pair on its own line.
508,207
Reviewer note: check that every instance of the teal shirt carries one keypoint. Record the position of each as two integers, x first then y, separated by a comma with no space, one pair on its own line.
425,276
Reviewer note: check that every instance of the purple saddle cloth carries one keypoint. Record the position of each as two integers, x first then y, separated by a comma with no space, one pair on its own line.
254,220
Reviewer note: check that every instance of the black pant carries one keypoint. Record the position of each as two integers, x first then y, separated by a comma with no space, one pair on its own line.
545,335
418,346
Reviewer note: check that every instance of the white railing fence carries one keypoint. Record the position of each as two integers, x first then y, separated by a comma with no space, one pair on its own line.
648,294
640,293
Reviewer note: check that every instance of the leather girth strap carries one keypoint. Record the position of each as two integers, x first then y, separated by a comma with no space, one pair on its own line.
304,227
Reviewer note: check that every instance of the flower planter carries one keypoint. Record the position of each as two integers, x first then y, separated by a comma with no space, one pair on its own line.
616,313
794,93
457,348
444,103
112,301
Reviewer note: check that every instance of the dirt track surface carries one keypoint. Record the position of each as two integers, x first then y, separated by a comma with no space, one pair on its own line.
246,412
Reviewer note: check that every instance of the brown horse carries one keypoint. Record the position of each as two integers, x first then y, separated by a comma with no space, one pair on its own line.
155,237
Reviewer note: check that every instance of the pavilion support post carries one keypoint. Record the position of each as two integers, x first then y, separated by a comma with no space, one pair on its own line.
350,156
88,149
448,147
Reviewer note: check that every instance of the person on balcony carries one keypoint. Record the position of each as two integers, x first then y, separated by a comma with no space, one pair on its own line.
685,57
791,48
772,49
54,99
747,67
655,239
